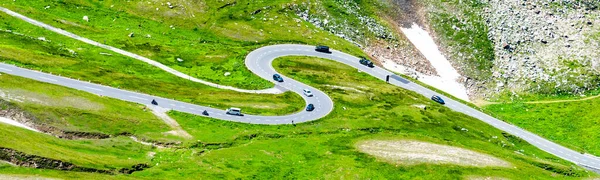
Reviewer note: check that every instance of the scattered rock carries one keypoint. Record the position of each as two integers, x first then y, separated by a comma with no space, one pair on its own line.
131,35
533,42
171,6
179,59
227,74
86,18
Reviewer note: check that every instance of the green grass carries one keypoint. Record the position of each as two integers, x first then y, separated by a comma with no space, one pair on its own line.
211,40
506,97
17,172
123,72
119,152
571,124
326,146
72,110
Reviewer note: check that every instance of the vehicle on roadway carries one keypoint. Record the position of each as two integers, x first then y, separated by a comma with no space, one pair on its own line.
323,49
234,111
437,99
307,92
366,62
277,78
310,107
154,102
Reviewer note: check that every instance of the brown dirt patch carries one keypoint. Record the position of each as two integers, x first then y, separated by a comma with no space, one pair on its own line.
408,152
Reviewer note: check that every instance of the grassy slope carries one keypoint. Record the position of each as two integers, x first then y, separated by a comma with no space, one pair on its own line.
209,53
572,124
471,40
326,146
210,39
118,71
73,110
108,153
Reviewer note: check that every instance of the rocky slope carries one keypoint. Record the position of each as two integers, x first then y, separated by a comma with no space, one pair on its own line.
515,47
544,46
377,33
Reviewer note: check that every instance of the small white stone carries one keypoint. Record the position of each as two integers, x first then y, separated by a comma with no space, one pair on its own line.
86,18
227,73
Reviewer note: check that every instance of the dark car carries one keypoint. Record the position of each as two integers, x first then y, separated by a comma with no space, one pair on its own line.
310,107
366,62
437,99
277,78
323,49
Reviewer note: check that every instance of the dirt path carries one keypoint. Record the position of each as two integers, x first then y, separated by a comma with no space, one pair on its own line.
561,101
162,114
481,103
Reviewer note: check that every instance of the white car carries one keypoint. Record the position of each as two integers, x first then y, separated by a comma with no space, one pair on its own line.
307,93
234,111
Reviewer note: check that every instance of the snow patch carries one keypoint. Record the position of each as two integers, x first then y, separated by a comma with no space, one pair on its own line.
447,80
15,123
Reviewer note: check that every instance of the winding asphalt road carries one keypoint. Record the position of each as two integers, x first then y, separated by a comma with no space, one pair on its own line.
260,63
132,55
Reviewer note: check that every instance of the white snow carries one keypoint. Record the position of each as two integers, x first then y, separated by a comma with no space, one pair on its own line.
15,123
448,76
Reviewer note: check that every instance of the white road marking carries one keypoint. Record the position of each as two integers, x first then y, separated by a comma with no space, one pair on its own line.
138,98
95,89
49,79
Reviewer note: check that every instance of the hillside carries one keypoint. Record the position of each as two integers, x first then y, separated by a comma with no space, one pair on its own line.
375,131
521,48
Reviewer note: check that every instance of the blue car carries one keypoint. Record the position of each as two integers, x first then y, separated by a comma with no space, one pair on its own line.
310,107
277,78
437,99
